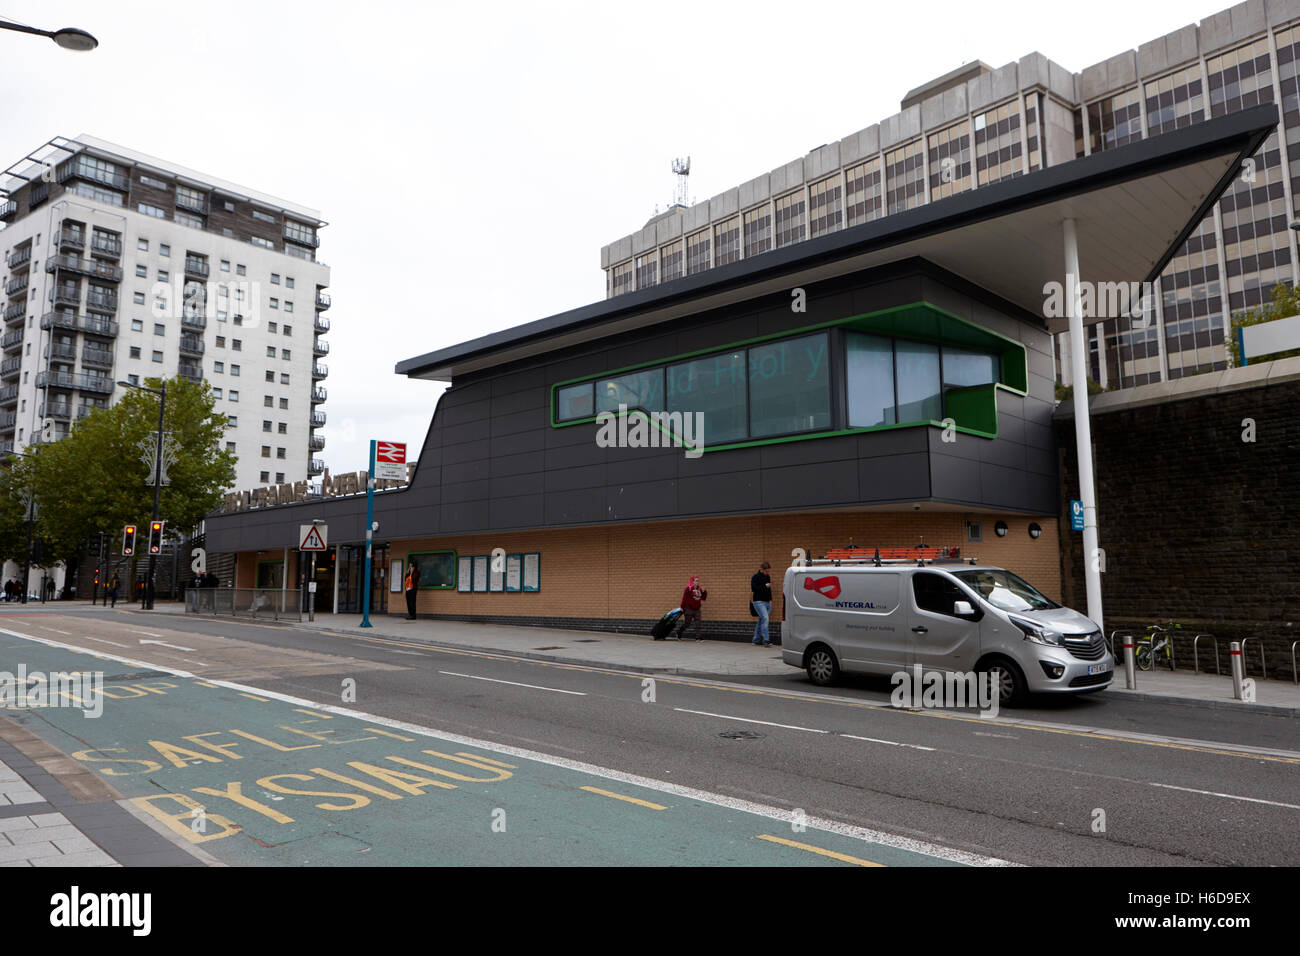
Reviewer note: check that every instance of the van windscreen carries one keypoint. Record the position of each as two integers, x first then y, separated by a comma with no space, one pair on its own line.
1005,590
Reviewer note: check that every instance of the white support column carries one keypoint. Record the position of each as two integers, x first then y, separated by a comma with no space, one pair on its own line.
1082,426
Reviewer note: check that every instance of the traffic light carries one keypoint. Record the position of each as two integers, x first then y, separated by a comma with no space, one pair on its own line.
128,539
96,577
155,536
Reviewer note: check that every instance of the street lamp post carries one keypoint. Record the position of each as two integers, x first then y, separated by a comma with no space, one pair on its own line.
161,392
31,520
70,38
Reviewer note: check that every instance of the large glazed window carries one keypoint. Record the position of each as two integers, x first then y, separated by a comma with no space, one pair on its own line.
716,387
789,387
643,389
575,403
964,367
869,368
917,365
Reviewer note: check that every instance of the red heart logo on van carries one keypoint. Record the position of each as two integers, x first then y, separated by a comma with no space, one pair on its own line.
826,587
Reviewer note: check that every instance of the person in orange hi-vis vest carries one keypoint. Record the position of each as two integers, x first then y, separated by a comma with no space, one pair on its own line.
412,585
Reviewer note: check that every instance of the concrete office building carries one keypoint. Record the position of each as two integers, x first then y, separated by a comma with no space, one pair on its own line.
122,266
978,126
885,384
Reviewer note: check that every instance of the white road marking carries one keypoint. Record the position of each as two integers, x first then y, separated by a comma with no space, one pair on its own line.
690,793
102,641
555,690
407,653
980,733
55,630
175,647
746,720
147,634
892,743
1226,796
188,661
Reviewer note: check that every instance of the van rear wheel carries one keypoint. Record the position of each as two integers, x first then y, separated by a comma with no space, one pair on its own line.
821,665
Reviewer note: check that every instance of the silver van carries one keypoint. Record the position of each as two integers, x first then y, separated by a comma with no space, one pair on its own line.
953,617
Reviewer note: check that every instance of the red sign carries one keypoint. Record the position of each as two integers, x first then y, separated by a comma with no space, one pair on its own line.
828,587
390,451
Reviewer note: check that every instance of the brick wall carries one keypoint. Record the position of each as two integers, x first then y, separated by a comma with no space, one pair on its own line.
624,577
1196,524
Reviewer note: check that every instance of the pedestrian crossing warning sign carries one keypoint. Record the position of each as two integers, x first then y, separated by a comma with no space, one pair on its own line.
313,537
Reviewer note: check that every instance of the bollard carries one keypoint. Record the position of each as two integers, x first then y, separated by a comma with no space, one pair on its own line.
1130,675
1234,654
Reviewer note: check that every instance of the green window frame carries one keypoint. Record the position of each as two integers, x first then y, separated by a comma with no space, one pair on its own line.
446,564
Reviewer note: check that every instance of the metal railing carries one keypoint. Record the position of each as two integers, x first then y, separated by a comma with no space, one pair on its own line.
274,604
1196,659
1263,667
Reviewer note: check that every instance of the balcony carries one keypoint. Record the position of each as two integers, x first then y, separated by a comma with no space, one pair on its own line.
11,366
320,347
60,410
198,204
191,345
191,373
8,210
96,383
94,325
62,353
198,268
318,395
316,443
17,283
79,169
84,410
9,396
60,320
101,301
321,324
15,312
301,236
12,339
322,299
315,466
6,447
72,239
97,358
89,267
68,295
194,321
20,256
106,245
57,380
8,421
320,370
317,418
37,195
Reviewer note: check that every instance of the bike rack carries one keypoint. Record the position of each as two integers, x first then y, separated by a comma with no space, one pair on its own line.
1294,678
1114,634
1262,666
1196,659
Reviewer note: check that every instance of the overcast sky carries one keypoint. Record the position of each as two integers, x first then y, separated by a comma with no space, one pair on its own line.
472,158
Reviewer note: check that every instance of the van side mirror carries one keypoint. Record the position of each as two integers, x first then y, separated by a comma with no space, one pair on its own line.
962,609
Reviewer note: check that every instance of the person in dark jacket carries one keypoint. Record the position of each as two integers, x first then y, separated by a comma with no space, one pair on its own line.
412,585
692,612
113,585
761,587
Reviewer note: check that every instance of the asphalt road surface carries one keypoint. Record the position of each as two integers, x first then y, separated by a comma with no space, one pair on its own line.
265,744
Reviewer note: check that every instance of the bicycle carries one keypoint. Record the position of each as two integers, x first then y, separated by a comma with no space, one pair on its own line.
1157,641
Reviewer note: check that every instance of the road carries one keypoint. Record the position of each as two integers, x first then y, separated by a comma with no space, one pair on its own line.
267,744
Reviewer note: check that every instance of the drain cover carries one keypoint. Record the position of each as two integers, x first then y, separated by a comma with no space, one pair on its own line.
556,647
587,640
741,734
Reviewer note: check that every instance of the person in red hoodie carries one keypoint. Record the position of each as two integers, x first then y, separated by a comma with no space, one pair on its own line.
692,598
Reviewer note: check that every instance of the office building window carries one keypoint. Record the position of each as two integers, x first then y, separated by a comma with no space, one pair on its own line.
904,177
757,224
1115,120
622,278
142,244
275,278
266,451
697,252
283,428
647,270
135,351
233,395
271,327
284,378
149,210
137,325
790,224
950,160
142,271
279,477
284,403
862,198
998,151
159,329
670,257
270,376
264,476
279,453
268,400
825,211
266,425
726,241
218,368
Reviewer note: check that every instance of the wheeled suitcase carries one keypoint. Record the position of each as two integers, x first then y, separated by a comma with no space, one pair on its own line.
665,624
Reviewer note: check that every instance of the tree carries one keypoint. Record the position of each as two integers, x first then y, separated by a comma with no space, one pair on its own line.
1285,302
94,479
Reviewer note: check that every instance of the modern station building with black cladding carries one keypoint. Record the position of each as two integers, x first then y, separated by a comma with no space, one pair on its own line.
885,385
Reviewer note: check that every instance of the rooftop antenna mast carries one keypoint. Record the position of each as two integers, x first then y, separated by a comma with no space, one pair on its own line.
682,170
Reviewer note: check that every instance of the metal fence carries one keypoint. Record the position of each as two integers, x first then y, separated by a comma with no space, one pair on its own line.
271,604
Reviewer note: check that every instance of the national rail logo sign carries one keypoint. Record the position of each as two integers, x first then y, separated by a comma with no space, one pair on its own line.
390,460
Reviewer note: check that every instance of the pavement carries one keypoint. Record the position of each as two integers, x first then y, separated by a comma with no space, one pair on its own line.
738,659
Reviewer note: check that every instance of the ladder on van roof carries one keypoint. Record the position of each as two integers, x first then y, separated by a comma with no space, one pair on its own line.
879,557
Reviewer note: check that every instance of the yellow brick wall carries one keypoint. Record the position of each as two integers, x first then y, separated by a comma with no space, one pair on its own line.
638,571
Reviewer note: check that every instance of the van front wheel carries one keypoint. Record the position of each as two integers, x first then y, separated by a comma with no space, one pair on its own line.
1009,681
822,667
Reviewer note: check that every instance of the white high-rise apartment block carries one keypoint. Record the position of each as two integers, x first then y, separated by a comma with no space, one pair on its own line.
119,266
